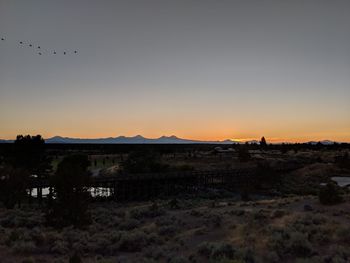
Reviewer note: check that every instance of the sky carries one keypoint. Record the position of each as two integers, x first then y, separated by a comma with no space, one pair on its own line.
197,69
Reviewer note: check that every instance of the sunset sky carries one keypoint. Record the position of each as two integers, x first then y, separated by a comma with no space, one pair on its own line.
205,69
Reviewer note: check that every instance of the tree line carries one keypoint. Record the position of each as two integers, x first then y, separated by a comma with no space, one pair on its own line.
27,161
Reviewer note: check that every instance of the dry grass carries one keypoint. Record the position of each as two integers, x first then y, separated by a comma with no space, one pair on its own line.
261,231
214,229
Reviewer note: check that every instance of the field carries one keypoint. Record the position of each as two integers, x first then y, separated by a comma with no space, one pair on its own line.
282,220
295,229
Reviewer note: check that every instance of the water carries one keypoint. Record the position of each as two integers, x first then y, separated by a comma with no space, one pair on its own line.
342,181
101,191
94,191
45,192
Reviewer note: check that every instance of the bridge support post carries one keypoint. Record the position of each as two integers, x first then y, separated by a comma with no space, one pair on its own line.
39,194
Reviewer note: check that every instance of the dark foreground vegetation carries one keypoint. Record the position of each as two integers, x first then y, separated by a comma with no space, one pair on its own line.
292,210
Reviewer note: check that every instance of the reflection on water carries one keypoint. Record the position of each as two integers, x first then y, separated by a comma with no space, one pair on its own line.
34,192
341,181
101,191
95,192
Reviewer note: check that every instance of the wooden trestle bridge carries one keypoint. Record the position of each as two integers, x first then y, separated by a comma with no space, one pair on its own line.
145,186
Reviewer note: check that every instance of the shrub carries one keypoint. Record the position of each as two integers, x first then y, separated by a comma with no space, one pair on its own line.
165,221
315,259
150,212
196,213
243,153
247,255
299,245
215,250
73,236
278,213
144,162
71,194
272,257
59,247
343,161
28,260
179,259
338,254
129,224
216,220
343,234
75,259
100,242
24,247
38,237
260,215
289,241
155,253
173,204
320,235
134,241
329,195
51,237
13,237
167,231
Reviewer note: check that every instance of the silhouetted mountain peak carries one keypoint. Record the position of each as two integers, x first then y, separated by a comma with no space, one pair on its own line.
324,142
139,139
168,137
132,140
57,137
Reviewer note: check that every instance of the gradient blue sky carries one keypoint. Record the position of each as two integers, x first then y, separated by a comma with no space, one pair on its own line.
198,69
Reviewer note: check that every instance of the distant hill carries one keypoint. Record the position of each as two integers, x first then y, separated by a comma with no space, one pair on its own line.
6,141
138,139
133,140
324,142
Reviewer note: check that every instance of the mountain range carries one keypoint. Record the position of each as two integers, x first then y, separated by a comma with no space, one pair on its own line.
138,139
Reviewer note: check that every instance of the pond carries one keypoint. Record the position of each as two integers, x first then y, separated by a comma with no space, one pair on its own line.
95,192
342,181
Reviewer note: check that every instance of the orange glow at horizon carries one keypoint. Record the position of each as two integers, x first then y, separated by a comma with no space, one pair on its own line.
189,136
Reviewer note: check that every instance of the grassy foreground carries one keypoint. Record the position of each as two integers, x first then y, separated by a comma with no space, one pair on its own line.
293,229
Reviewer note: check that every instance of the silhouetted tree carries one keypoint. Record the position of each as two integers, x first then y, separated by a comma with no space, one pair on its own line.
26,158
13,186
144,162
343,161
263,143
71,192
243,153
330,195
284,148
267,177
75,258
27,153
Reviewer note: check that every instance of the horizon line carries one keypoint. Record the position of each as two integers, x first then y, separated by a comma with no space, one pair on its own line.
234,140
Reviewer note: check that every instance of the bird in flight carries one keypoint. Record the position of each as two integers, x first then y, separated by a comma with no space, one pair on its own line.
41,50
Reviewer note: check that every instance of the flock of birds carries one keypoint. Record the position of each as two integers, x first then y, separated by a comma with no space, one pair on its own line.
40,51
